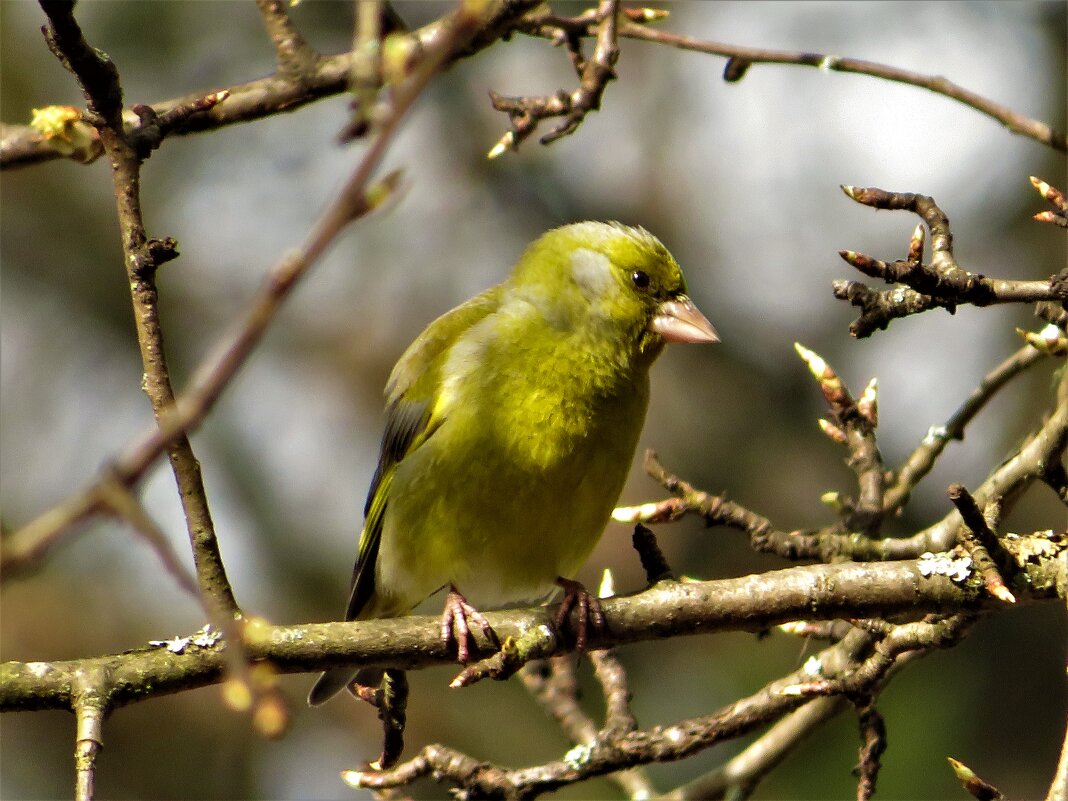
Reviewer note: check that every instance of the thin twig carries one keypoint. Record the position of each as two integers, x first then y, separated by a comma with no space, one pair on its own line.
126,507
553,684
366,77
921,460
100,82
1056,198
1017,123
296,58
526,113
652,558
739,776
21,146
873,745
975,785
853,424
942,283
892,642
980,542
1058,788
1005,484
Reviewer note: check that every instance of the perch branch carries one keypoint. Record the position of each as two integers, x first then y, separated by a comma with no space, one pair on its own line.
749,603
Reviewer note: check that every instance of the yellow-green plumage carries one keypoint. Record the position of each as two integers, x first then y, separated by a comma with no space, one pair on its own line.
511,424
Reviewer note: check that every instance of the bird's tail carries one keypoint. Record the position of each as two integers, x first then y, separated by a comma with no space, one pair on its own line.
334,681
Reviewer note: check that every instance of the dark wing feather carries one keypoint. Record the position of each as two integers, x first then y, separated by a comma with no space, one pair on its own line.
410,419
405,421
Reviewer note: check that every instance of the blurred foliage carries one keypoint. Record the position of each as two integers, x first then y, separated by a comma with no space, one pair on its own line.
739,180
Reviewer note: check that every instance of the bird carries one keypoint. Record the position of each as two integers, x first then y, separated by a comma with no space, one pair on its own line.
511,424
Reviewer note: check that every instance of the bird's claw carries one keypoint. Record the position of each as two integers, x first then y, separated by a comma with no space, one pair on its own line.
576,596
455,625
370,695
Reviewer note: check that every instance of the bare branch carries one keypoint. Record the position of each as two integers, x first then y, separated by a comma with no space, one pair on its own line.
921,460
90,708
296,58
613,750
750,603
265,97
1004,485
739,776
553,685
126,507
977,788
100,82
853,424
942,283
1056,198
980,542
1017,123
1058,788
525,113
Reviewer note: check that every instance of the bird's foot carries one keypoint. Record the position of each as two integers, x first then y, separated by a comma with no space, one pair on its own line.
590,614
456,621
370,695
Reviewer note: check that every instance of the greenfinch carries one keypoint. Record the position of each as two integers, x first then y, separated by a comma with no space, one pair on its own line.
511,424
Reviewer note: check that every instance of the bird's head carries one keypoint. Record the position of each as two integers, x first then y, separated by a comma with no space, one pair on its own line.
611,279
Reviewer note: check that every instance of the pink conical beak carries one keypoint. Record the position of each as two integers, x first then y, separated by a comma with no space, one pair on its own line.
679,320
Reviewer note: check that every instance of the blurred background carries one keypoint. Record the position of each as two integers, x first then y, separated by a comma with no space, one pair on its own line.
739,180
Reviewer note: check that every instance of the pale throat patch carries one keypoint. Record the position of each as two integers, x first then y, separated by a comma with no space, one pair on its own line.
593,274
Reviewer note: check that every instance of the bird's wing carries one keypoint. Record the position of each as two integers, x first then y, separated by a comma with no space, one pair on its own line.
412,416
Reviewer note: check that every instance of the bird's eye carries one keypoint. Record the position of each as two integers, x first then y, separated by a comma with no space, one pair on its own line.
640,279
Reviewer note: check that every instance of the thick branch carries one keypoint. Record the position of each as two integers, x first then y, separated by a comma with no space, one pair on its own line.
748,603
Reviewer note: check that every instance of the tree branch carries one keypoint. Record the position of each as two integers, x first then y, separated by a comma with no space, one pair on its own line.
100,82
22,146
921,460
1032,462
744,56
748,603
942,283
614,750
